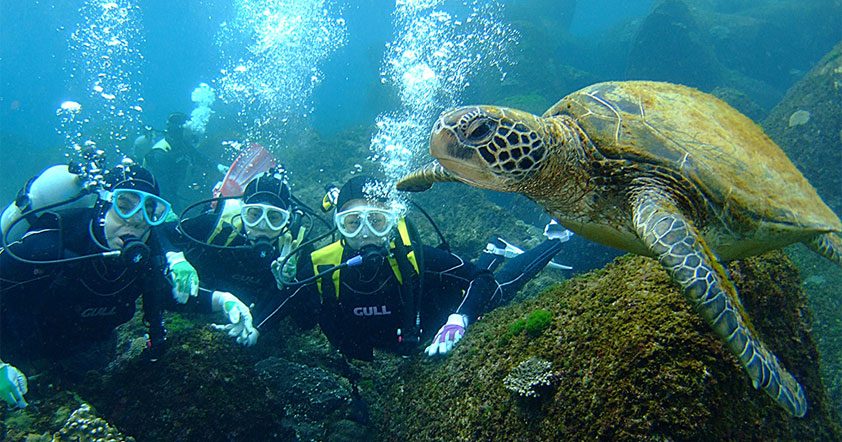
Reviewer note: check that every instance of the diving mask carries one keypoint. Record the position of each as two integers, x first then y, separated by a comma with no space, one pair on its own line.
378,221
127,202
276,218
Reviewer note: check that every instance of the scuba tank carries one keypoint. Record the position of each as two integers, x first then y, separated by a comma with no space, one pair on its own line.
55,185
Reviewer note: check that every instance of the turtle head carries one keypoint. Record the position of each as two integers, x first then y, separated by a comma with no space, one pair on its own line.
489,147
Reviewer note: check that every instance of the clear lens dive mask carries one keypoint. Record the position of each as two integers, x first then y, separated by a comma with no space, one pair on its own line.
127,202
276,218
378,221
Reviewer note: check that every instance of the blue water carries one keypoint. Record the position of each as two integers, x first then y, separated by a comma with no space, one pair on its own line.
180,51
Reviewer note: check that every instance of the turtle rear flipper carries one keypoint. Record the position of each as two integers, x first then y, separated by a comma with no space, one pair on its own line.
683,253
827,245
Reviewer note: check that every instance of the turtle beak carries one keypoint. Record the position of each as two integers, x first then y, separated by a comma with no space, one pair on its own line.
444,143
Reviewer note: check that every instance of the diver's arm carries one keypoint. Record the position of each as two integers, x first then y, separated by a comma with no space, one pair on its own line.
37,245
454,273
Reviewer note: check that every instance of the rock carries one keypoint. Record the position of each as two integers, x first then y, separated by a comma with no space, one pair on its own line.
670,46
634,363
312,390
813,144
203,388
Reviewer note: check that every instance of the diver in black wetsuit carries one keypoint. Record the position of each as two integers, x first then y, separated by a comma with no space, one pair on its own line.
234,246
76,274
176,161
378,287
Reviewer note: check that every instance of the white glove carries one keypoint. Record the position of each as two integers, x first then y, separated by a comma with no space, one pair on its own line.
12,385
185,280
449,334
291,266
241,323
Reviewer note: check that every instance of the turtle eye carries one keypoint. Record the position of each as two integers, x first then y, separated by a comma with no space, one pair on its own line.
480,129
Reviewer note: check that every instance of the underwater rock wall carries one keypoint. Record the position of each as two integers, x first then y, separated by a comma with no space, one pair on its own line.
807,125
630,361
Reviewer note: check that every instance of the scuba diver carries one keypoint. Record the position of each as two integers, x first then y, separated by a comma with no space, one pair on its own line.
175,159
379,287
237,245
74,275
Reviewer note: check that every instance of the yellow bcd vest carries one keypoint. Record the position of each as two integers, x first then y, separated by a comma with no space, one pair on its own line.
162,144
228,225
331,255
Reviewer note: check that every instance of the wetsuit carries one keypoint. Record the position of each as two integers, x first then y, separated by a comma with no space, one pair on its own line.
242,270
49,310
174,163
371,305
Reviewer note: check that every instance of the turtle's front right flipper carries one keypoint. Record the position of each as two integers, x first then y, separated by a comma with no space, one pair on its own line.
682,252
424,178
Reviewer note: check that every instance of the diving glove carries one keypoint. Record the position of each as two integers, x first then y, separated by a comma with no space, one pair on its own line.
287,273
449,334
12,385
183,276
241,323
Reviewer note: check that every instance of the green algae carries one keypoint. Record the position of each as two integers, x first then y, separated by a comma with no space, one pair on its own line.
537,322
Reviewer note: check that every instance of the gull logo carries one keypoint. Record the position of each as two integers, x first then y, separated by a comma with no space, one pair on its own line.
98,311
372,311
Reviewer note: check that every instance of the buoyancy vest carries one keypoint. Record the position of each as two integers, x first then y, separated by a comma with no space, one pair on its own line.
228,224
331,256
162,144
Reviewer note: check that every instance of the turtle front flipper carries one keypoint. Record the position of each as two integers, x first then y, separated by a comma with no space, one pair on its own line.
424,178
682,252
827,245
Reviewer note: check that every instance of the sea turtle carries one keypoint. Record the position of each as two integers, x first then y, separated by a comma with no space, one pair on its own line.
656,169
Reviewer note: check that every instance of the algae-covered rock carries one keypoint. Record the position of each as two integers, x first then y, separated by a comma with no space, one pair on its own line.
807,125
632,360
203,388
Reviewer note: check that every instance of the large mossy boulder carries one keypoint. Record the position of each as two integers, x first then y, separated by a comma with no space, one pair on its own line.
807,125
624,358
671,46
207,388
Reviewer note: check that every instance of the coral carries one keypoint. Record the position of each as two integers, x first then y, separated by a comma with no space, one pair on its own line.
537,322
528,377
84,426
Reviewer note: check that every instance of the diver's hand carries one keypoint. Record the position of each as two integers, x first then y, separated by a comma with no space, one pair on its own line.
449,334
287,273
184,278
12,385
241,323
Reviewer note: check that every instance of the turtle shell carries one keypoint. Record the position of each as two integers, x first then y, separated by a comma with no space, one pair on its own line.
745,176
